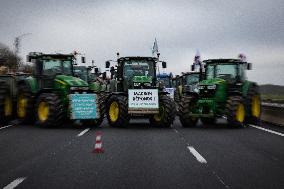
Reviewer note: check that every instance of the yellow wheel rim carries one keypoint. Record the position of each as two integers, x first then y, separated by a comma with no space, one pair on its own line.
158,117
255,106
21,106
8,106
114,111
240,114
43,110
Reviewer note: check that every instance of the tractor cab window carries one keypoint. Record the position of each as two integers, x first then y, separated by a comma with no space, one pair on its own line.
191,79
57,66
138,68
81,73
223,71
166,82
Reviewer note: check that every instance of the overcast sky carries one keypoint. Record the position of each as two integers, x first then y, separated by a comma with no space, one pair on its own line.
218,28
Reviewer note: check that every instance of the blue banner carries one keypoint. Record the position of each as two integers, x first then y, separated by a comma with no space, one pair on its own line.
83,106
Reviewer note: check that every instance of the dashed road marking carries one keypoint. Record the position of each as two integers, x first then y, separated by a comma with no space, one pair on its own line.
196,155
6,127
267,130
15,183
83,132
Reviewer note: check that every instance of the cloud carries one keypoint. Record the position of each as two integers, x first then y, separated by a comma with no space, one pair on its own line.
218,28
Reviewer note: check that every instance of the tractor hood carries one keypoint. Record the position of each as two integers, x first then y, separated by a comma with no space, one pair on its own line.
142,79
71,81
214,81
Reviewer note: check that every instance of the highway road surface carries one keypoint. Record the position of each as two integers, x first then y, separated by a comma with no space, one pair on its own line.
141,156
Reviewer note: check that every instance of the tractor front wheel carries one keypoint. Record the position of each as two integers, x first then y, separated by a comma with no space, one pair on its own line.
253,105
235,111
166,114
6,104
49,110
25,105
117,111
186,108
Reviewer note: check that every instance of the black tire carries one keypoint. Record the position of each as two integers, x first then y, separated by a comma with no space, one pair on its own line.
235,116
167,106
101,102
122,115
25,112
208,121
187,103
252,115
55,110
6,101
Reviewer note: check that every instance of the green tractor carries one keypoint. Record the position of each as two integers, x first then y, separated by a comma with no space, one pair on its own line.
137,93
95,83
8,95
52,94
225,92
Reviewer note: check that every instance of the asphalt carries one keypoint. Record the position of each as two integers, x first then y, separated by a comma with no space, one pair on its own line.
142,156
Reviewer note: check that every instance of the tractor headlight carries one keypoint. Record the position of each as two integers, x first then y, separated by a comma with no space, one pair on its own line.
137,84
147,84
201,87
212,87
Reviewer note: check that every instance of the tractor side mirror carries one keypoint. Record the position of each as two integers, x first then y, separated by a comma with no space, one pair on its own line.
96,70
164,64
249,66
192,67
107,64
83,59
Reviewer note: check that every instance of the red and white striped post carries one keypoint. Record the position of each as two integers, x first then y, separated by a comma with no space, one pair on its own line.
99,144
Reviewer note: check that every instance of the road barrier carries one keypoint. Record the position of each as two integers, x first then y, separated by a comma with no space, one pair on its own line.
273,113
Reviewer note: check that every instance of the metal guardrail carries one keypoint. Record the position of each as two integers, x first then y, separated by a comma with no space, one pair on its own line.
273,113
272,104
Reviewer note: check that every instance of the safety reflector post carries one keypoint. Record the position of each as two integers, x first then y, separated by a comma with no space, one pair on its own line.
99,144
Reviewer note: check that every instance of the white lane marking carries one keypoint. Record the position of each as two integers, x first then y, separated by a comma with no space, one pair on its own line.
15,183
83,132
6,126
196,155
176,130
267,130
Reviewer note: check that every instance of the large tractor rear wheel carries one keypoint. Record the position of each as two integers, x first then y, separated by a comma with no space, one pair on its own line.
6,104
117,111
186,107
25,105
235,111
166,115
253,105
49,110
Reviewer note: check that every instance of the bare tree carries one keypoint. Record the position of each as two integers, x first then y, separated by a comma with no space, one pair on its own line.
8,58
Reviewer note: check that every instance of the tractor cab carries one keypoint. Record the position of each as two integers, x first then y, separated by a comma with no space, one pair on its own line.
50,66
136,73
231,70
165,82
190,82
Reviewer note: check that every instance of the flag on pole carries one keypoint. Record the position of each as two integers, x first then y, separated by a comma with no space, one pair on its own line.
197,58
242,57
155,48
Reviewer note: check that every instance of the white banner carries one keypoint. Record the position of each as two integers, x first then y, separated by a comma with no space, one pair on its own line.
143,98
